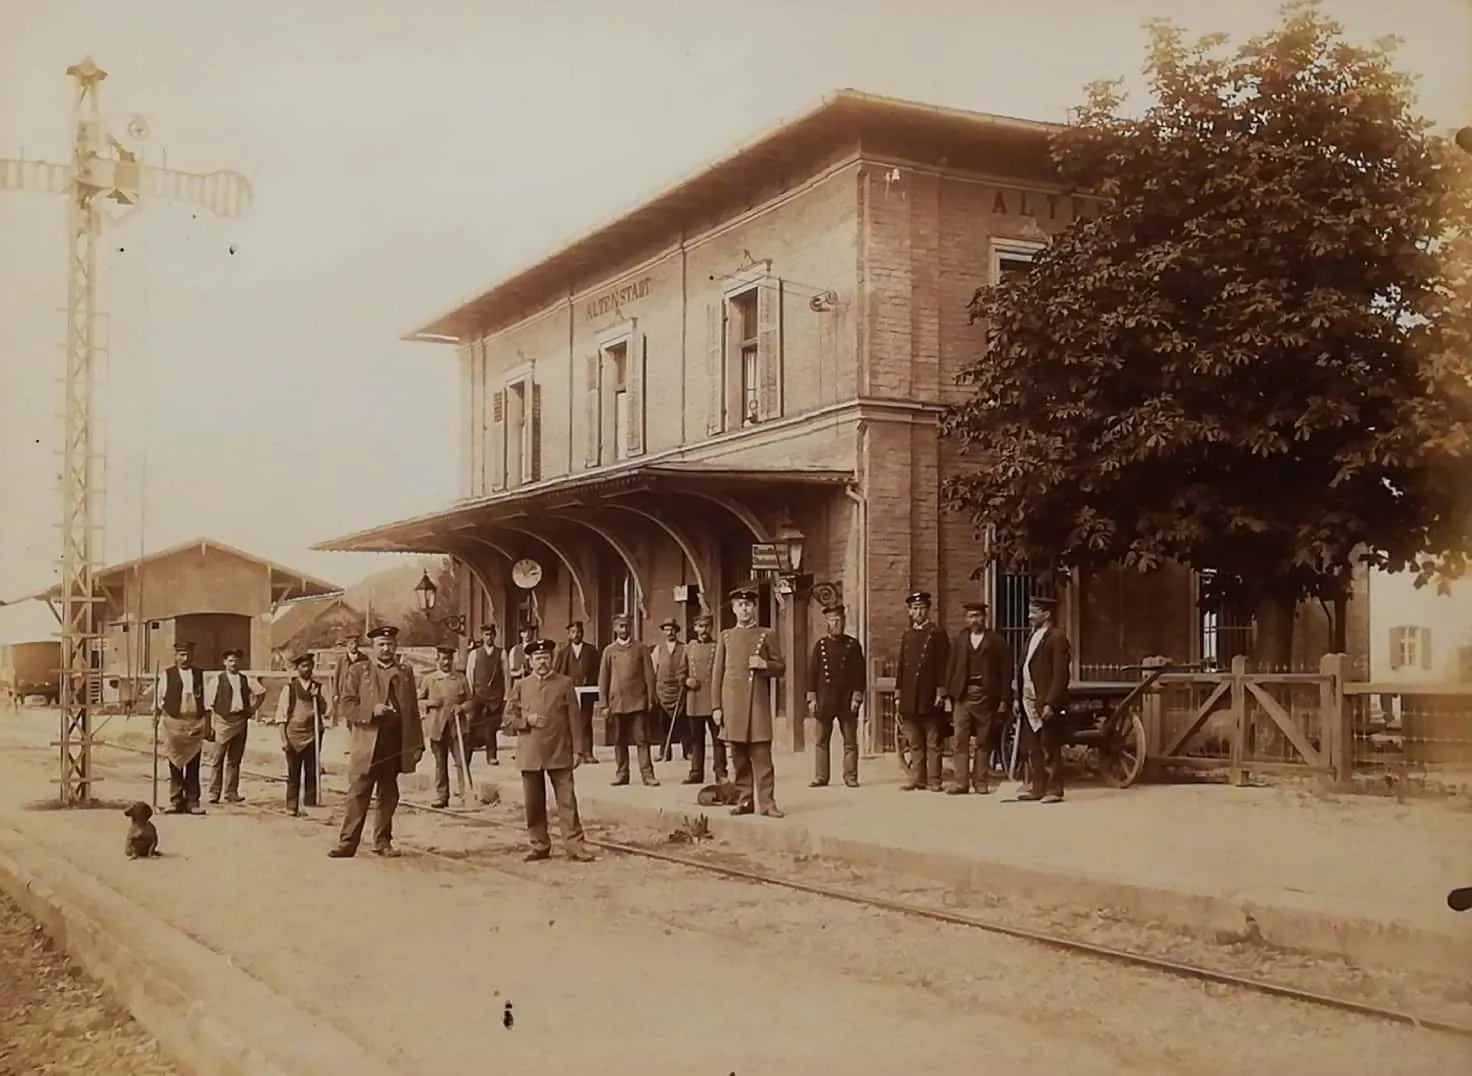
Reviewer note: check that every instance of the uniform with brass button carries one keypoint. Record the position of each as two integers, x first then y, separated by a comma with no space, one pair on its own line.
838,673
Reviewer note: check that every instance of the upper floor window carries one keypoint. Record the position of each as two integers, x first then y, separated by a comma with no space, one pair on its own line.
614,422
1012,258
515,432
744,339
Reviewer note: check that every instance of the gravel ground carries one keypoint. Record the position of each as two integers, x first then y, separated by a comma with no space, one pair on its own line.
53,1019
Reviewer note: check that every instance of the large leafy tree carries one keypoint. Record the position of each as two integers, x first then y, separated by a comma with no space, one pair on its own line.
1254,358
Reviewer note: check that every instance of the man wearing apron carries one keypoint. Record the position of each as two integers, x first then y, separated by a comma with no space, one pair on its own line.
231,706
185,726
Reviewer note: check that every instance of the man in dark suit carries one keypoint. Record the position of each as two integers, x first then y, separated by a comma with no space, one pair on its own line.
577,659
485,669
1042,685
837,669
979,693
920,690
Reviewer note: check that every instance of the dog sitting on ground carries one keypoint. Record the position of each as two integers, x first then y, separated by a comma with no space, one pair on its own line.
142,839
724,794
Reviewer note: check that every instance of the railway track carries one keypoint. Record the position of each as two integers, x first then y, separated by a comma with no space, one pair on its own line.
1046,939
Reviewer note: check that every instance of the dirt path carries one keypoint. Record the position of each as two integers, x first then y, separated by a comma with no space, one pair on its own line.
53,1019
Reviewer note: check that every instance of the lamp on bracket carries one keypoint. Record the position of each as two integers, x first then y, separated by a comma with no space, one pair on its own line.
790,540
427,593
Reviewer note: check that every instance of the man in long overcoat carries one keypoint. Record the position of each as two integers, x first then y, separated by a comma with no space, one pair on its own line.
185,724
542,709
445,694
671,670
700,703
838,684
626,686
380,704
578,660
979,693
232,705
1042,685
920,691
745,664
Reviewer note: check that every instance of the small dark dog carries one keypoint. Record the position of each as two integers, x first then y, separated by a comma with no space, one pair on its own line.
725,794
142,839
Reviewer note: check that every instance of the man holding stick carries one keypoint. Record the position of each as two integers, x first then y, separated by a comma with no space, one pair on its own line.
300,711
445,694
746,661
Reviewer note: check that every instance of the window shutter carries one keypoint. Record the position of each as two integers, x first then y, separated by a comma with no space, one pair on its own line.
468,418
1423,647
534,431
1396,634
497,454
591,435
715,367
634,386
480,419
769,347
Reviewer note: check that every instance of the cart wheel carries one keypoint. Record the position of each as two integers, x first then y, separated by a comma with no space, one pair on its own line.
1121,763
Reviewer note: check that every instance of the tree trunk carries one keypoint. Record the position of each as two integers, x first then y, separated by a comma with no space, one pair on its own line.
1273,640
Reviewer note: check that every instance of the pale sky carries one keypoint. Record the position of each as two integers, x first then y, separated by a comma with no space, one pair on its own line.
405,155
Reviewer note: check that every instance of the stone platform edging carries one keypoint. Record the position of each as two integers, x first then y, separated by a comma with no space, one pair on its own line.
207,1014
1378,943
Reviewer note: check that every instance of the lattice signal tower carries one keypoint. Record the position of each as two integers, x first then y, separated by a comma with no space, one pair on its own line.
102,170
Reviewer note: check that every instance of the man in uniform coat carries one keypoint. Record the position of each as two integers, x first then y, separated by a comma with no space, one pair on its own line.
920,690
577,659
351,655
231,706
839,679
1042,685
380,704
745,664
485,669
626,686
700,657
445,695
542,709
979,693
183,715
671,670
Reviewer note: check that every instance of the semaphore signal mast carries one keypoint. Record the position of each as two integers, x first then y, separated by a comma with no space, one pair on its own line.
102,169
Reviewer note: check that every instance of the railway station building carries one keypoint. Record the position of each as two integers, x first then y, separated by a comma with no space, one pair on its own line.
745,376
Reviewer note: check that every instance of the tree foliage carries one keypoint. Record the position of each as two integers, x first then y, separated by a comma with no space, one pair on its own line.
1254,358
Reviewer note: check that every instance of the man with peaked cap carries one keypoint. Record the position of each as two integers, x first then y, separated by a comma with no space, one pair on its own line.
300,710
671,670
542,709
919,693
746,662
183,715
1042,686
231,705
485,669
380,703
578,660
700,703
518,663
626,686
839,680
979,693
352,654
445,695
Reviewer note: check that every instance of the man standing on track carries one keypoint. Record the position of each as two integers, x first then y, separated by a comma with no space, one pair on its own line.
184,716
837,669
485,669
380,703
445,694
542,709
1043,686
700,703
626,686
746,661
578,660
919,693
232,707
979,692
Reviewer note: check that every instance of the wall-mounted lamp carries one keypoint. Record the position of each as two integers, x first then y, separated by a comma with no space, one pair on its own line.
428,593
790,541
